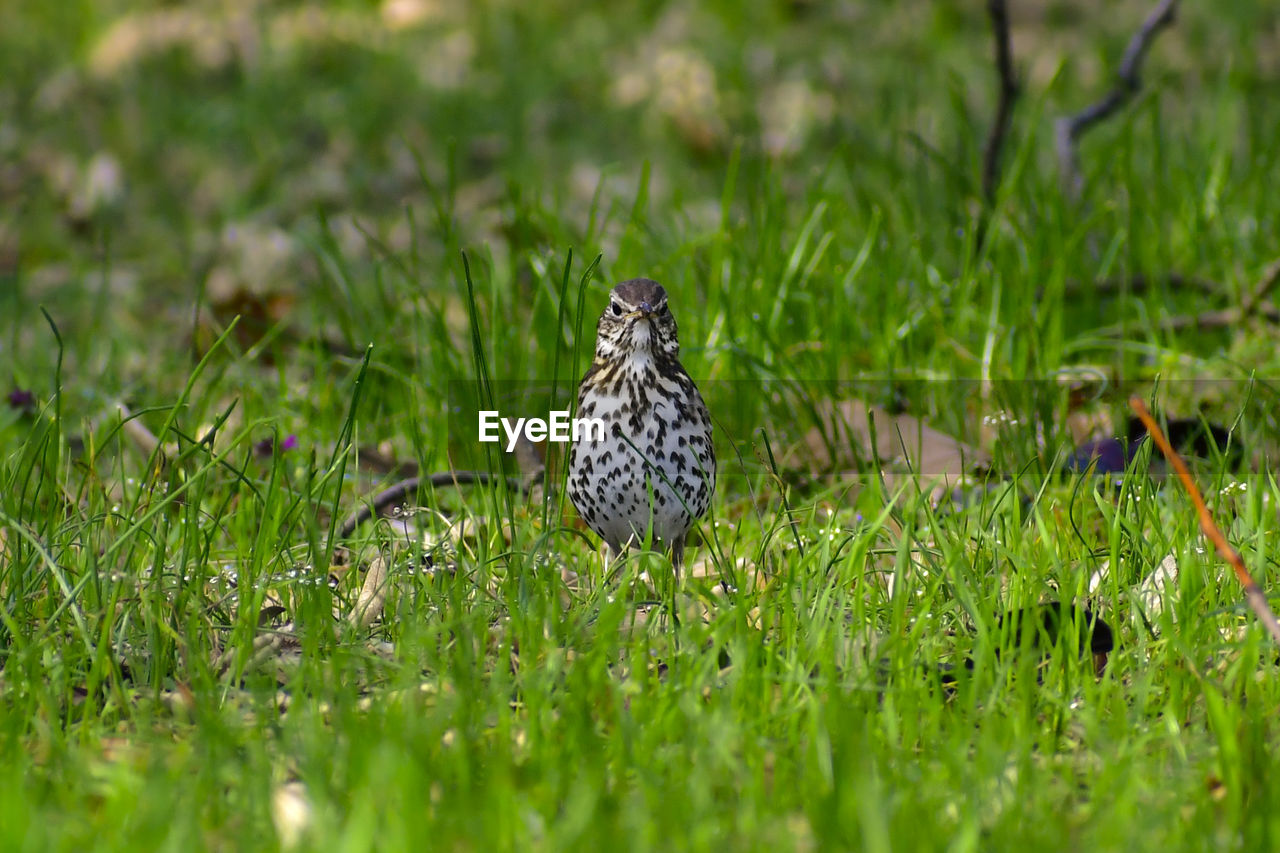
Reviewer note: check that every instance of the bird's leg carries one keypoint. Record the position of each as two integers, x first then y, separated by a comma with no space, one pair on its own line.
677,560
677,556
612,555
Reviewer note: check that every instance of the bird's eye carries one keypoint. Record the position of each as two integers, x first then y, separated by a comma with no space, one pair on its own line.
617,309
663,310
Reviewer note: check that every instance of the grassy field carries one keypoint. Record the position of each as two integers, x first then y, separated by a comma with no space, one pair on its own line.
259,260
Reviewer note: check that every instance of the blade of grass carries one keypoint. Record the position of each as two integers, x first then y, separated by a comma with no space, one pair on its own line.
341,453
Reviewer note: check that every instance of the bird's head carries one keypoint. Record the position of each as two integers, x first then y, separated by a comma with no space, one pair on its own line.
637,320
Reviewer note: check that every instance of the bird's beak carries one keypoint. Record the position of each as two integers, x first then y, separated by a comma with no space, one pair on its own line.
645,310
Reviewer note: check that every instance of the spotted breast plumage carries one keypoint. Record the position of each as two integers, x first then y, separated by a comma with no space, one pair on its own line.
654,470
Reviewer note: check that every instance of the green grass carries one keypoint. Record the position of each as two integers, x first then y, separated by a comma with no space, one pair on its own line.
320,174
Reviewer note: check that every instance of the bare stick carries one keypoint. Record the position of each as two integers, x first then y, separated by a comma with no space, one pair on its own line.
393,495
1258,293
1069,129
1256,597
1004,106
1254,304
1203,321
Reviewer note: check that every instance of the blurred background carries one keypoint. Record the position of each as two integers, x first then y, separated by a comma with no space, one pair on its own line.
795,171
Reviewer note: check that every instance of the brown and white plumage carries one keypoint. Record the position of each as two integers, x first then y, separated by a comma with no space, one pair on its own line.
655,469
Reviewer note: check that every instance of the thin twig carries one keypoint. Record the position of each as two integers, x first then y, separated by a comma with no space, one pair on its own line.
1256,597
1254,304
393,495
1069,129
1253,300
1007,95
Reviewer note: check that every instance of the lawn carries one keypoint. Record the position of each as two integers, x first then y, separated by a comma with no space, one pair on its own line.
261,261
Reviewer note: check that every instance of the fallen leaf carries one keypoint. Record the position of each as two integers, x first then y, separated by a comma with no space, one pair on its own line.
855,439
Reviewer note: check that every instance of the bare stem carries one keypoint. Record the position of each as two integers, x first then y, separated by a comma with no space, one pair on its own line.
1007,95
1069,129
1256,597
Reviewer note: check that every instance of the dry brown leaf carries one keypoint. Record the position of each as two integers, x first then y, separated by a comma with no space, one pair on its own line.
373,594
257,314
855,437
1151,593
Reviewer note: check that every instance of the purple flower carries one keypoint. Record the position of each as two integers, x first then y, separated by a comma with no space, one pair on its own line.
22,400
268,446
1111,456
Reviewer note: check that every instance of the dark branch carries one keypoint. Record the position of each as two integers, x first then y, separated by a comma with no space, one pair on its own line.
1253,305
401,491
1259,292
1069,129
1004,106
1202,321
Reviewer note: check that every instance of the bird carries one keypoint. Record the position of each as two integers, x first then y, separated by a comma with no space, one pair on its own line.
651,472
